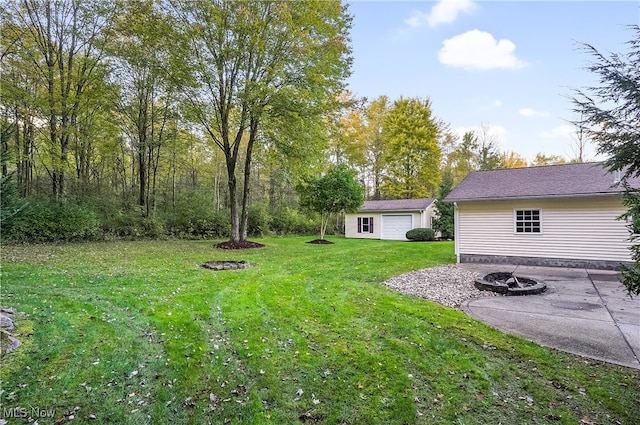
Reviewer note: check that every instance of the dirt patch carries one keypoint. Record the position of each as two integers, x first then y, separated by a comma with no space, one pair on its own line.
320,242
238,245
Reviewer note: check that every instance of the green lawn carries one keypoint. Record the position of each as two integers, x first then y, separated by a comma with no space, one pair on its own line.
137,332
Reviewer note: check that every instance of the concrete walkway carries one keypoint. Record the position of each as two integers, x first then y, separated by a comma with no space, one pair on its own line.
584,312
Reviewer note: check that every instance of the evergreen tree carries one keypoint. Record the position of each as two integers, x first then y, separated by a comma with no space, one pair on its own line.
443,222
610,113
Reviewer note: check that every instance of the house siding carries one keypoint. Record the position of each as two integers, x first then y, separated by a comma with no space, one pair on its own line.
351,226
574,228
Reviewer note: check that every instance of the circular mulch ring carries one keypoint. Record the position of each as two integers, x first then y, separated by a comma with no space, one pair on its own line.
238,245
509,284
226,265
320,242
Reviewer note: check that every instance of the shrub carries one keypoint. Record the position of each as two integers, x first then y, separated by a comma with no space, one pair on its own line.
194,216
43,221
421,234
258,220
290,221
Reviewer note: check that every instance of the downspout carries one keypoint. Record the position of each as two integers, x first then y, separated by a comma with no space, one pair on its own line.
456,231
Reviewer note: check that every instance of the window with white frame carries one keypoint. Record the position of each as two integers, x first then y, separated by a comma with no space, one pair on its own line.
528,221
365,224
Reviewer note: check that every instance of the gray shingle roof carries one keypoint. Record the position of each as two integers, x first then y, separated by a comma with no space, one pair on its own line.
397,205
566,180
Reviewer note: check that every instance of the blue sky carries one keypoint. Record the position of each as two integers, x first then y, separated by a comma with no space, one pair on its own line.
507,65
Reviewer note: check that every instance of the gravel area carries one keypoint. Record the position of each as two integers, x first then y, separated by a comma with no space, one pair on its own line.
447,285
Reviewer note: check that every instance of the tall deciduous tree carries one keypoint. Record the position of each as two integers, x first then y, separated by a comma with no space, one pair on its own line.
143,71
412,153
64,42
512,159
489,157
463,159
261,65
337,191
610,114
375,114
346,128
542,159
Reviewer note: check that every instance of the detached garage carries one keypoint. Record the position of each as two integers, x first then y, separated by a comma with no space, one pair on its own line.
389,219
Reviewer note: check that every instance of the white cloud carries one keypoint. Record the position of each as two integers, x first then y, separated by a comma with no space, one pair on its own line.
417,19
564,131
445,12
477,49
530,113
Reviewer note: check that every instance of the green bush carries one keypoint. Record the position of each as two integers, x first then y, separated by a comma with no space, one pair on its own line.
212,225
290,221
194,216
258,221
11,206
44,221
421,234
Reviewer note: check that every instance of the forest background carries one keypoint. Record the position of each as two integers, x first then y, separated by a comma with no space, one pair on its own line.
138,118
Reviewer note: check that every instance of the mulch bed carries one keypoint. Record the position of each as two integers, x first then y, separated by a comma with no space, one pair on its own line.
238,245
320,242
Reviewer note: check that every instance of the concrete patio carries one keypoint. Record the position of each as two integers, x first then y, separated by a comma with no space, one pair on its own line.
584,312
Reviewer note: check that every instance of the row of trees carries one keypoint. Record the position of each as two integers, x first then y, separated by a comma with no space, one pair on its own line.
180,116
132,106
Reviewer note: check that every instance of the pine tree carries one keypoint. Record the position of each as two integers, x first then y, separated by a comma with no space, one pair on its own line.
610,112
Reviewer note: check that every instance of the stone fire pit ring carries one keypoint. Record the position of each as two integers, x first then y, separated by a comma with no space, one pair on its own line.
226,265
508,284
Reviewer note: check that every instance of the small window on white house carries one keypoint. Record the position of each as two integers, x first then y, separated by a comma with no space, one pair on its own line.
528,221
365,224
431,221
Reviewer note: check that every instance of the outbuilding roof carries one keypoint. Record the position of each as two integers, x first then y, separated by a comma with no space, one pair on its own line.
397,205
566,180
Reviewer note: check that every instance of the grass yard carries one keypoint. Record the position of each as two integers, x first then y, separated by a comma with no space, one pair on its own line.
137,332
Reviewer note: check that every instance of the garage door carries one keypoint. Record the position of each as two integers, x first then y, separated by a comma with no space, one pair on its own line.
396,226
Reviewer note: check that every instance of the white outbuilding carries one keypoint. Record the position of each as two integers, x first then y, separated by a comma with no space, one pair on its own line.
389,219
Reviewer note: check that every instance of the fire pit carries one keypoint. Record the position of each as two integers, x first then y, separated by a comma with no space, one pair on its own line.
226,265
510,284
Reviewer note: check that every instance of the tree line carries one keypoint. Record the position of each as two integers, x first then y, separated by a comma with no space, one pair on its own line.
199,118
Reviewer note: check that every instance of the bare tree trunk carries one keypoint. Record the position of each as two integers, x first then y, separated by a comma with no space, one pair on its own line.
234,234
253,130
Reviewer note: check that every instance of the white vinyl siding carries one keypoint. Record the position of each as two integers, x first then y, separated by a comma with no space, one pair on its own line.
351,225
418,219
573,228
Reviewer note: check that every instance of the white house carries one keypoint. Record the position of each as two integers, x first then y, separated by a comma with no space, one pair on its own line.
558,215
389,219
